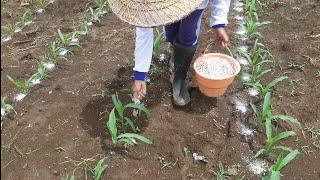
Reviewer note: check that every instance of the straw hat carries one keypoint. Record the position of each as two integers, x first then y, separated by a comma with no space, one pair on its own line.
153,13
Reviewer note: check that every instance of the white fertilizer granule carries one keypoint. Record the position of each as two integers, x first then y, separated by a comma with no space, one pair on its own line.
214,68
49,65
258,167
253,92
20,97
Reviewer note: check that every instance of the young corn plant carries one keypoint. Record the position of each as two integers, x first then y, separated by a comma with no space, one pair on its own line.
266,114
6,108
23,87
54,51
251,10
64,49
252,26
10,29
101,6
95,15
41,73
157,42
220,173
273,140
85,28
282,161
269,87
117,118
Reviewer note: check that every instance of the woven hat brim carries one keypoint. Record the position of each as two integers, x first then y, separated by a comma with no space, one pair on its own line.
153,14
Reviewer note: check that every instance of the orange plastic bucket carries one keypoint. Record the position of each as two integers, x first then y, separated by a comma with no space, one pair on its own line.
215,87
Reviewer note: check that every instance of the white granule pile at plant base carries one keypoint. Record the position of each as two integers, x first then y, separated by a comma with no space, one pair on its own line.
258,167
214,68
19,97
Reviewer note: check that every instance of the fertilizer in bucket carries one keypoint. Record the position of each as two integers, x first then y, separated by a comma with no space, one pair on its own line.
215,68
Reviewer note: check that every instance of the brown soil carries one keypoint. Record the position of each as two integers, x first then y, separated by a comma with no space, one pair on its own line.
65,110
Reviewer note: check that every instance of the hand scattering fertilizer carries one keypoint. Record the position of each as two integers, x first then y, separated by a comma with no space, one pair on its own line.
215,72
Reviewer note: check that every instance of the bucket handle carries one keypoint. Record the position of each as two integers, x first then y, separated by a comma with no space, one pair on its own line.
227,47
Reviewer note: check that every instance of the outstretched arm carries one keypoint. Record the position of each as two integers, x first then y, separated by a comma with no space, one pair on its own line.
142,58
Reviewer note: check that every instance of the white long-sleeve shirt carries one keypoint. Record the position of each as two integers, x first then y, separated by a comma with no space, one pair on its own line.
144,36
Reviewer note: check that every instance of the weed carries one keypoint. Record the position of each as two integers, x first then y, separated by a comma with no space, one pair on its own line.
59,149
25,18
220,173
185,152
123,122
23,87
13,142
274,172
293,65
164,163
10,29
99,169
314,132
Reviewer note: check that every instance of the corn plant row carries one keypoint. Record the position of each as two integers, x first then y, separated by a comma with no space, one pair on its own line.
57,51
256,59
25,20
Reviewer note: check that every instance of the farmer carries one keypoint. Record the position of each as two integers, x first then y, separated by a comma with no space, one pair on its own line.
182,20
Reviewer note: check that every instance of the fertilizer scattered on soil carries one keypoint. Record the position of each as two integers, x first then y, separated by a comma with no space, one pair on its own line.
241,106
246,77
28,23
243,49
49,65
238,9
238,4
63,52
20,97
18,30
36,81
3,112
243,61
253,92
5,39
244,130
240,31
257,166
162,57
40,10
239,18
214,68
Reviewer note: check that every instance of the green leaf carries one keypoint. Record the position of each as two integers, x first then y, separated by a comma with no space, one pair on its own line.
287,118
112,126
275,175
291,156
128,120
263,73
282,148
255,109
275,82
99,169
259,153
140,107
62,38
72,177
135,136
266,110
268,125
279,137
127,141
117,103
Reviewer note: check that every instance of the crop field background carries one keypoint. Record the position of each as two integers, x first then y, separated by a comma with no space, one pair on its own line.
66,113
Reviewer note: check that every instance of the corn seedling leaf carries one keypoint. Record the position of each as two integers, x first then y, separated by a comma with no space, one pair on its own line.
263,73
139,107
259,153
266,110
268,125
287,118
99,169
280,136
135,136
285,161
118,105
21,86
274,83
275,175
255,109
128,120
112,126
282,148
127,141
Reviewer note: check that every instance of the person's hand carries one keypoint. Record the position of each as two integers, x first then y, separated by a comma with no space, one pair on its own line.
222,36
139,89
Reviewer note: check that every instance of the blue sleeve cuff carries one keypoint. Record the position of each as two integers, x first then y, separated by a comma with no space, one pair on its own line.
140,75
219,26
